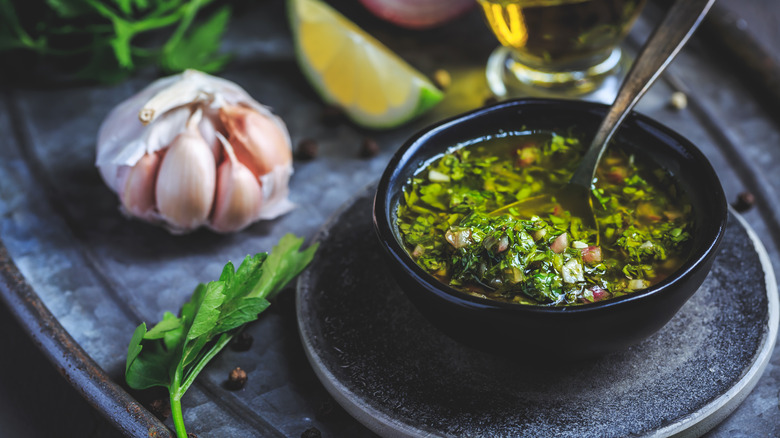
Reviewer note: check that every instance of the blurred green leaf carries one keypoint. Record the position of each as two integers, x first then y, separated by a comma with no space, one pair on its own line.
199,48
108,40
71,8
126,6
121,43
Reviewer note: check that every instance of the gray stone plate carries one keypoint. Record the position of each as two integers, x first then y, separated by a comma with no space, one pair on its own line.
399,376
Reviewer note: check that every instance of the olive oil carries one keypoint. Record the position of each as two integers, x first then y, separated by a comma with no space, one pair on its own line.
557,35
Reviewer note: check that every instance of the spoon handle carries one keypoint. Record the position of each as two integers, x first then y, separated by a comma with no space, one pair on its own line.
663,45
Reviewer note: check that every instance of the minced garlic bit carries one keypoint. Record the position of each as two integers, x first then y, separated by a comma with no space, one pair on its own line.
678,100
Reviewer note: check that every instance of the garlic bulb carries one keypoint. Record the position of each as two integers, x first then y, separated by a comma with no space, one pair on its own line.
195,150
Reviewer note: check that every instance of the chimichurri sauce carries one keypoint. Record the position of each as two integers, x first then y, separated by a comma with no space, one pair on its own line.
546,257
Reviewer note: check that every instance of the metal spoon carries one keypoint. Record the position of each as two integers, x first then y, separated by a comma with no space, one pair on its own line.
663,45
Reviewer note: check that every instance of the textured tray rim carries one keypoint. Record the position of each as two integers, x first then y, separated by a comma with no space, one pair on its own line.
70,359
717,410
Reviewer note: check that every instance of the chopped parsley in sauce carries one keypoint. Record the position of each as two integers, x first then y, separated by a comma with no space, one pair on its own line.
547,257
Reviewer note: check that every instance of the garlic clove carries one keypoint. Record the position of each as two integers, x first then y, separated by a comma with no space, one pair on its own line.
239,197
186,181
258,140
137,193
208,126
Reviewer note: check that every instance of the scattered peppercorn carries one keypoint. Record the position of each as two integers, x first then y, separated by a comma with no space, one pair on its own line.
745,202
490,100
242,342
369,148
332,115
191,435
311,432
161,408
236,379
442,78
678,100
307,149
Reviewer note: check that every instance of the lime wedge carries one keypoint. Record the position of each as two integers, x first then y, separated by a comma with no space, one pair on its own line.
351,69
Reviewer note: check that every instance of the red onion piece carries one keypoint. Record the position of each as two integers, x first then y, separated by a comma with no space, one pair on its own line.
591,254
599,293
560,243
418,14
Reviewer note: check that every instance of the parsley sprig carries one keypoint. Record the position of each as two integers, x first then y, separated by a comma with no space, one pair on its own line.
176,350
111,39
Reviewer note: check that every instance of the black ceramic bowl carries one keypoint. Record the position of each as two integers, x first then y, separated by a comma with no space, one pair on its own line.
574,331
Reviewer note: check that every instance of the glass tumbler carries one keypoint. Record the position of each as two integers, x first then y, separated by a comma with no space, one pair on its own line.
558,48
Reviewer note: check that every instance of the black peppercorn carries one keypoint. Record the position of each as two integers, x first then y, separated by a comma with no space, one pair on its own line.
242,342
369,148
307,149
236,379
745,202
311,432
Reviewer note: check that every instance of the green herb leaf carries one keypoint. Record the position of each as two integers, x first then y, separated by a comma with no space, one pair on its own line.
282,265
70,8
134,349
147,365
208,310
177,349
121,43
168,323
105,38
198,50
126,6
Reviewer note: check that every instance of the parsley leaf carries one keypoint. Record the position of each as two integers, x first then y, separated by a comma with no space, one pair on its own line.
106,41
173,352
198,49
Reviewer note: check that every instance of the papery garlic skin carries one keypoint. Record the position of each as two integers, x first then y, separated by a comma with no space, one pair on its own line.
162,151
123,139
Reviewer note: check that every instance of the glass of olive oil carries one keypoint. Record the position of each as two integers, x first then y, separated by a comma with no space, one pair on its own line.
558,48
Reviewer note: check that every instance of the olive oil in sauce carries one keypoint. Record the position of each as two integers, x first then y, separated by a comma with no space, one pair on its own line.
548,257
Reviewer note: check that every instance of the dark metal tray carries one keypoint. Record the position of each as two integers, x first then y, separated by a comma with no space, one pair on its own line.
80,277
